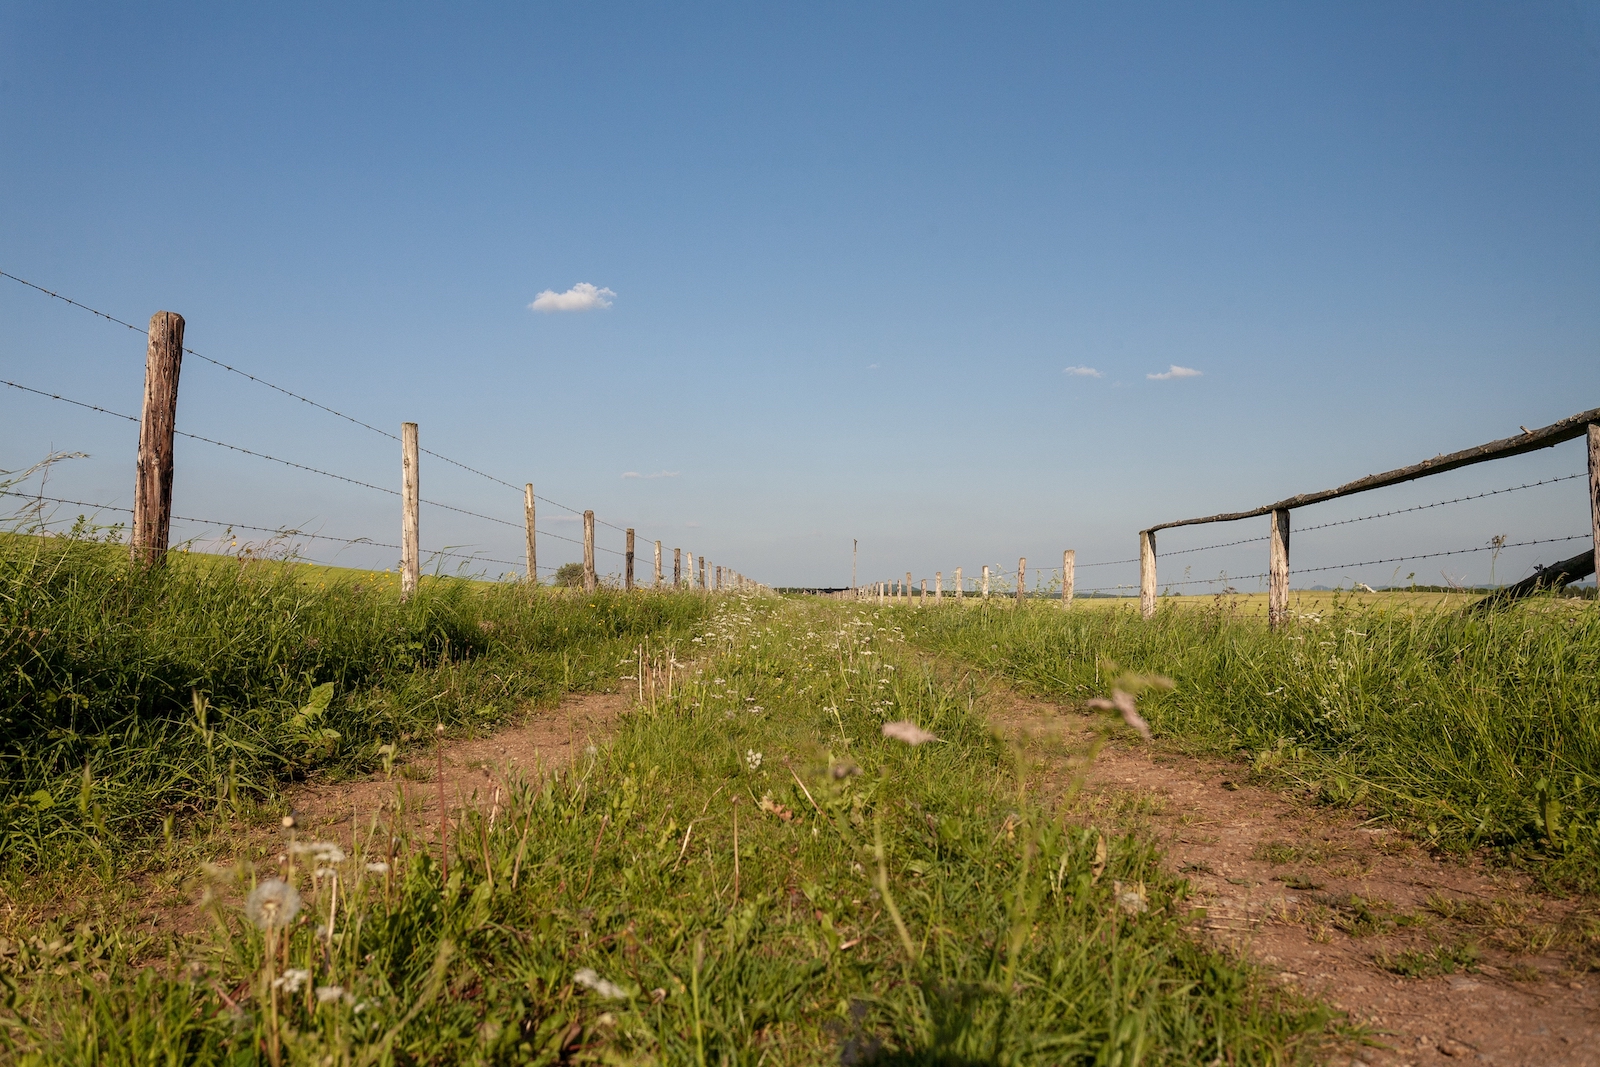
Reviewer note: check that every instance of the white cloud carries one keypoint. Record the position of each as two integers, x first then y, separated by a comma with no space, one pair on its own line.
872,366
657,474
581,297
1083,372
1174,371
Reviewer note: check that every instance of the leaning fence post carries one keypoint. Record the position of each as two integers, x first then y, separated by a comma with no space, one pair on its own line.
410,499
627,567
1069,565
152,485
589,579
1147,573
527,519
658,565
1278,569
1022,578
986,581
1594,489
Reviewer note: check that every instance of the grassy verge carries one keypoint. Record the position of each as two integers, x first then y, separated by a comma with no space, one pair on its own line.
1474,730
134,704
751,872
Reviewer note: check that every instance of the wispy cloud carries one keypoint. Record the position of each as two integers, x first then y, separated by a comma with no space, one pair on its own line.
1174,371
657,474
1083,372
872,366
581,297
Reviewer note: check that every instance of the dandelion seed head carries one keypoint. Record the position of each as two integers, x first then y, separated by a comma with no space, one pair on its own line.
272,903
590,980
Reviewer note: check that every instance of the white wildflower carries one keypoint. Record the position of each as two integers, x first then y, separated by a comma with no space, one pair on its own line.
752,759
1130,897
587,978
378,867
327,994
291,981
909,732
321,851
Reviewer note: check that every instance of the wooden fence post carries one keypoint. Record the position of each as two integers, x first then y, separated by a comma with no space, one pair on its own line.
590,581
702,560
527,519
1069,566
1147,574
922,598
908,589
1278,569
938,586
959,591
627,566
719,577
986,581
152,484
410,500
658,565
1022,578
677,568
1594,488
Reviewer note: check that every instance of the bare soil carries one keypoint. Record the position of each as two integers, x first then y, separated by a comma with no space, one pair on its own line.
1436,959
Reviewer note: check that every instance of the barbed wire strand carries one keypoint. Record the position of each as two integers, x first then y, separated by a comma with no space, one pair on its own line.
303,399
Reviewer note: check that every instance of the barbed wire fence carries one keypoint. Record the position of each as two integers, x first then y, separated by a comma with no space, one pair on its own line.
36,510
1276,577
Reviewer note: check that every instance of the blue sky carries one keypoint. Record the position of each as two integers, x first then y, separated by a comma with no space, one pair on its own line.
852,251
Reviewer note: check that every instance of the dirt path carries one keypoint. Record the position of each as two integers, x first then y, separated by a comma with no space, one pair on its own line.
474,770
1345,911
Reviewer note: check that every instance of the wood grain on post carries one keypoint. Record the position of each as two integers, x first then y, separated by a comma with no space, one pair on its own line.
152,485
527,519
1147,573
1022,577
677,568
590,580
410,501
1594,484
959,591
658,565
1069,567
627,554
702,560
1278,569
986,581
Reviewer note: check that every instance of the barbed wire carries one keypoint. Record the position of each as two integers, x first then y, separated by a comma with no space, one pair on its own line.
1442,503
291,393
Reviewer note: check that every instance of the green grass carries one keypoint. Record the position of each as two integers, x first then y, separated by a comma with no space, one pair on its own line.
753,873
1480,730
134,701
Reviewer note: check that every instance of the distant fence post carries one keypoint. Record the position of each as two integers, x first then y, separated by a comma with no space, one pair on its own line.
1022,577
938,586
627,567
908,589
719,577
1278,569
527,518
152,485
922,598
590,581
410,499
1069,565
1594,488
677,568
986,581
702,560
658,565
959,591
1147,573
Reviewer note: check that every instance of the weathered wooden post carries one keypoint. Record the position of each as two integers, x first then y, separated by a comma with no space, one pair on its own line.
1594,489
627,554
908,589
986,581
1022,578
527,521
702,560
960,592
158,420
1147,573
1278,569
1069,564
410,501
938,586
719,577
677,568
922,597
658,565
590,581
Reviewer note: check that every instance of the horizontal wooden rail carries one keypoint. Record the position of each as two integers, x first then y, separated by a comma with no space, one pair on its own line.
1531,441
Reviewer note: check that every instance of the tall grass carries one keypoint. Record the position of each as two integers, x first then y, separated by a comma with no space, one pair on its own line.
1476,729
131,698
751,873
